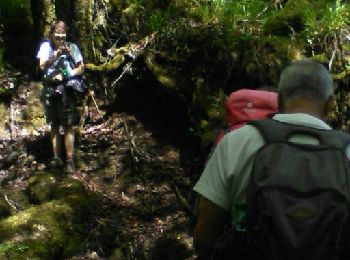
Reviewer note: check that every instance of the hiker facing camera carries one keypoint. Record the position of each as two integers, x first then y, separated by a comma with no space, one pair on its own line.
281,185
62,66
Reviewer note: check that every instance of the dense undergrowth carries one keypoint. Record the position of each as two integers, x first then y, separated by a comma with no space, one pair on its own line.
202,50
161,70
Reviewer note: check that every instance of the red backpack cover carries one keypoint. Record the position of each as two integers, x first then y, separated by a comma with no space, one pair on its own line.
245,105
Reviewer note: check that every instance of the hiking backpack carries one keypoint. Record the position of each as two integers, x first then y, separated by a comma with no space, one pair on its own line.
245,105
297,198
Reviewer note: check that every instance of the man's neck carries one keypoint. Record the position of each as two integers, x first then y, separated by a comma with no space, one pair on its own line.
301,106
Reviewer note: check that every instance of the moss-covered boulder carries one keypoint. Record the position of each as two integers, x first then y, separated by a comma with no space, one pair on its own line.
17,199
41,187
32,115
74,193
54,228
49,186
41,232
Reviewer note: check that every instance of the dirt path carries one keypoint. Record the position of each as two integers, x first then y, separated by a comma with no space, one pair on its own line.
142,178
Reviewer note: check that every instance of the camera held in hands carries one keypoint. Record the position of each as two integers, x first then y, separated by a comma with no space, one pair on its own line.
65,48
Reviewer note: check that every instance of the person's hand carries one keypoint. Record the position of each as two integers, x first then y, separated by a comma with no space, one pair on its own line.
61,50
65,49
58,77
56,54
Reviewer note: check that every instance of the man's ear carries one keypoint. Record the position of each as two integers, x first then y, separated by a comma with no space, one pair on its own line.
329,105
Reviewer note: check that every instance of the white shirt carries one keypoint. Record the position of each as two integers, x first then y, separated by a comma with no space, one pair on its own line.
46,52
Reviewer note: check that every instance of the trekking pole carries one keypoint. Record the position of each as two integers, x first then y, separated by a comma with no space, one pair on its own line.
91,93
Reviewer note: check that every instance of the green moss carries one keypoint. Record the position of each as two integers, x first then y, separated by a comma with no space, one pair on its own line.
19,198
46,229
3,113
13,250
68,187
117,61
74,193
116,4
5,209
41,187
290,18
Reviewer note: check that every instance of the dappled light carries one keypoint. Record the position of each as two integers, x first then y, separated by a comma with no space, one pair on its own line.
158,74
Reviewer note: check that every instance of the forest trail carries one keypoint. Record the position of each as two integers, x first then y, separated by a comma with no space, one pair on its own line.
142,179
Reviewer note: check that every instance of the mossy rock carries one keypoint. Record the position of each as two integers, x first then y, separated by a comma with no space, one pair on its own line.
5,209
74,193
114,64
32,116
41,187
41,232
68,187
162,73
19,199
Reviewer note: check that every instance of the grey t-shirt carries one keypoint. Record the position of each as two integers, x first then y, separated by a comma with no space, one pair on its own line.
226,174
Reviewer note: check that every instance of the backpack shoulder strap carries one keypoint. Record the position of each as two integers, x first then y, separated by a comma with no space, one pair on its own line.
276,131
52,45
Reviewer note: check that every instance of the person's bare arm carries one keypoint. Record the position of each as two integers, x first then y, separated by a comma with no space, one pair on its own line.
211,222
79,69
44,64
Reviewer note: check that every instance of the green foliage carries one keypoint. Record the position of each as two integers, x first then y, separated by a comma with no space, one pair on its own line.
159,19
13,9
326,33
11,246
241,14
334,19
15,17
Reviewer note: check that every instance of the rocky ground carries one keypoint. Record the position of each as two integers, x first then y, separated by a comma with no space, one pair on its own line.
141,173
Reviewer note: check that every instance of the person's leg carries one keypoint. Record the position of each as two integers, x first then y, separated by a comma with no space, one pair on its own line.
69,144
56,141
69,141
56,162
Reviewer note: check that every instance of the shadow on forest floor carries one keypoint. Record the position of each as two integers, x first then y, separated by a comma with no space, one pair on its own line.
139,172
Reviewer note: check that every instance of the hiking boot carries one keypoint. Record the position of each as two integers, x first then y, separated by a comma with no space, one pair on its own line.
70,168
56,163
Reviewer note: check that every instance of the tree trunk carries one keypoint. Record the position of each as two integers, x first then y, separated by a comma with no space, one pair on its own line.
44,14
83,13
1,49
36,16
49,15
65,12
1,55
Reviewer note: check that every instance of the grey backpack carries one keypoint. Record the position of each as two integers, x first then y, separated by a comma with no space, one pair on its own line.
298,197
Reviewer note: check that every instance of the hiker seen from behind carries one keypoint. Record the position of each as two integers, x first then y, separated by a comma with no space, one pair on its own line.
244,105
279,188
62,65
